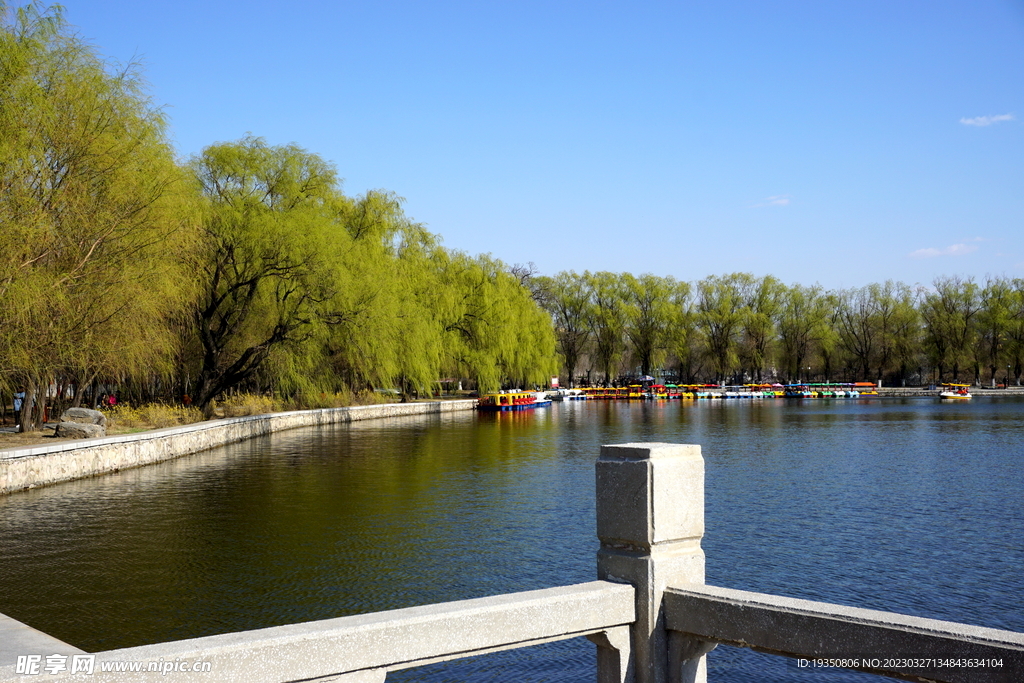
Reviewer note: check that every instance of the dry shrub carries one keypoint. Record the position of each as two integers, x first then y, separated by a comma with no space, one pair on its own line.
122,416
310,401
241,405
150,416
251,404
155,415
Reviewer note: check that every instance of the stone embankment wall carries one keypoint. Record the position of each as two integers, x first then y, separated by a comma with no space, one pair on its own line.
26,468
925,392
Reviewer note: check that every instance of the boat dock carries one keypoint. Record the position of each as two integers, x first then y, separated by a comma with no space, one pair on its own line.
768,391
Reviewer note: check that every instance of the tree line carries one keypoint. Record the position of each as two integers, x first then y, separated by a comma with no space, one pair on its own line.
739,328
247,267
244,266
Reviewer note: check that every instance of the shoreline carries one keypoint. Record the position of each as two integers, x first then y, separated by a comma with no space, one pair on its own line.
37,464
923,392
40,465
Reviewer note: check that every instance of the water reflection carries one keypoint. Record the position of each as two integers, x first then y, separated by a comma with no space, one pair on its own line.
903,505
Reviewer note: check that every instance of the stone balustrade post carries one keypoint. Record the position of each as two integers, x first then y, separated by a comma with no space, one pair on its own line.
650,519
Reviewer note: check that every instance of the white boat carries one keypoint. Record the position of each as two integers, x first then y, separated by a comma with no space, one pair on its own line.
567,395
955,392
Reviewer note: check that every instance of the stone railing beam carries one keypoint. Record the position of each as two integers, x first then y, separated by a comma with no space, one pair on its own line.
894,645
362,648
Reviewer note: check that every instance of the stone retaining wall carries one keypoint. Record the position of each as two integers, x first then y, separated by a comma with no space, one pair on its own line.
26,468
933,393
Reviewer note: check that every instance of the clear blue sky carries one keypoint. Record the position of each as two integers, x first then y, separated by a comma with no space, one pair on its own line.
834,142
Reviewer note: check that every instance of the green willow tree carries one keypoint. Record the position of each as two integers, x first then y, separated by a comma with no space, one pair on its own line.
898,327
497,334
272,260
685,339
995,321
830,354
949,313
762,298
802,323
96,215
567,298
721,311
1015,329
389,303
648,305
609,321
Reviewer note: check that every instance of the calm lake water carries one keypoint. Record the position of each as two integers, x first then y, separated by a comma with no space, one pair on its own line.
905,505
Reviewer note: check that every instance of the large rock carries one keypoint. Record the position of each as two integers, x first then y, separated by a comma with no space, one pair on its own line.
79,430
84,416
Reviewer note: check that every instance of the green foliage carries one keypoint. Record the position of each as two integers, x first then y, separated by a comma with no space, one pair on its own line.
497,334
608,322
248,269
720,310
949,314
649,309
898,322
273,258
687,340
995,325
96,214
568,299
1015,329
762,298
802,322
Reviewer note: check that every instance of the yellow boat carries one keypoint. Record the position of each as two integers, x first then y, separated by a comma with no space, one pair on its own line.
513,400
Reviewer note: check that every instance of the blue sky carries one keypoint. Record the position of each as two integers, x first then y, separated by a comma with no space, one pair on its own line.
838,143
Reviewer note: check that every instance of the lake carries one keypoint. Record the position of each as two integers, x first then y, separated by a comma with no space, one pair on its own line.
907,505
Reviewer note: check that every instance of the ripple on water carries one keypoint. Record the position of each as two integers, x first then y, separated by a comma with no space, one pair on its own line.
908,506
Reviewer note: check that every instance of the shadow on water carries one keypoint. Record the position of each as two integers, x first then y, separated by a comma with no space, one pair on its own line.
904,505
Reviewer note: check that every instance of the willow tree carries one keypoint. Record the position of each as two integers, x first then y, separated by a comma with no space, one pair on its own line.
392,335
720,312
1015,329
496,333
650,312
803,318
95,213
994,325
898,323
950,315
762,298
686,341
609,320
272,261
830,351
567,298
856,327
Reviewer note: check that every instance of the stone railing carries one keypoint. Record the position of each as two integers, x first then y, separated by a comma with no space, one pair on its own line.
650,519
363,648
650,615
